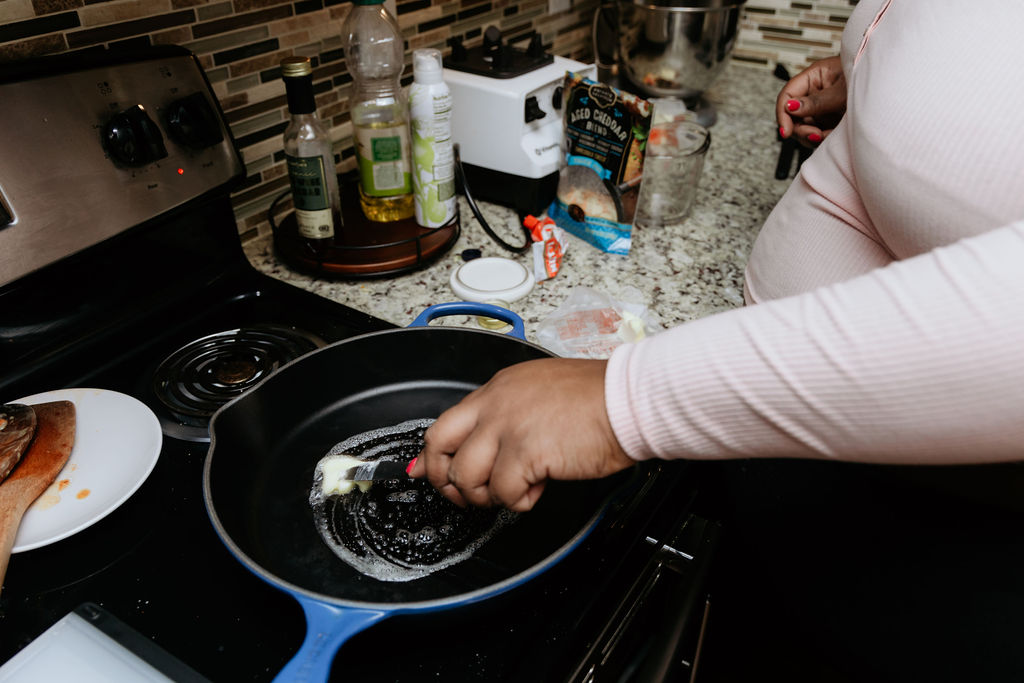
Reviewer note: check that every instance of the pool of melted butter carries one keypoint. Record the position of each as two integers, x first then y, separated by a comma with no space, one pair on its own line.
398,530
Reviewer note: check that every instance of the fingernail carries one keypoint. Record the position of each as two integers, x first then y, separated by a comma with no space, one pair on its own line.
792,105
782,132
814,137
412,464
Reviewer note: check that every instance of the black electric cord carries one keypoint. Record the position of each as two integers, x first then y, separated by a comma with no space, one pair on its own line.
460,176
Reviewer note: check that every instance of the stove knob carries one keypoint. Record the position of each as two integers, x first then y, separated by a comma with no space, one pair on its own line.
533,110
192,122
132,138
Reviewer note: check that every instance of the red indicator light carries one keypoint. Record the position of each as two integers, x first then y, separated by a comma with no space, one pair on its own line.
181,171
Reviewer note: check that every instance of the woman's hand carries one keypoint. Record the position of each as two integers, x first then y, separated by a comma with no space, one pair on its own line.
534,421
811,103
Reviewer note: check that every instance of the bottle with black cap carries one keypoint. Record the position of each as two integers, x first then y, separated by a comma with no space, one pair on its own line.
310,158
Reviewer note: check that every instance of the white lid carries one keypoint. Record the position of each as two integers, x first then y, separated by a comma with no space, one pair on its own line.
491,278
426,65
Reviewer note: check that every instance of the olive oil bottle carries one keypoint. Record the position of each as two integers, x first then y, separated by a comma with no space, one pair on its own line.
374,55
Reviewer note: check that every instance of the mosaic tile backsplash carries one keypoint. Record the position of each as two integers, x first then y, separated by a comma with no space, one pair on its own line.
241,42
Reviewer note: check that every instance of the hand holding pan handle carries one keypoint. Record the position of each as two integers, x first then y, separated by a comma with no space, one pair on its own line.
472,308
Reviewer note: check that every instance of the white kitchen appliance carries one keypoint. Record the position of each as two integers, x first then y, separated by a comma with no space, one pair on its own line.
509,128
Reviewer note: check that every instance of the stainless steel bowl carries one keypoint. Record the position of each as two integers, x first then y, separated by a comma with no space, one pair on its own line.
675,48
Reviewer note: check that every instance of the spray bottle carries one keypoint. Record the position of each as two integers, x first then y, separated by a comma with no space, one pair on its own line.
433,168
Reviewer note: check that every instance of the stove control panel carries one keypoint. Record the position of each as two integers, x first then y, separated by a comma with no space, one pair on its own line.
92,152
192,122
133,138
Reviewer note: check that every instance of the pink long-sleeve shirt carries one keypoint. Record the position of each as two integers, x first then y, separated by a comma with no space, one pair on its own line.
889,280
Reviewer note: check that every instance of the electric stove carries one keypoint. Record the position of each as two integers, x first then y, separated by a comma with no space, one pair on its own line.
121,269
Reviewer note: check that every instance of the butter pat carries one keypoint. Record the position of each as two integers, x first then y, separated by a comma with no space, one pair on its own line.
632,327
330,471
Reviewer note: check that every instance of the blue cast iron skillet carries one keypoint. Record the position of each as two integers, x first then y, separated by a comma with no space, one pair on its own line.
265,444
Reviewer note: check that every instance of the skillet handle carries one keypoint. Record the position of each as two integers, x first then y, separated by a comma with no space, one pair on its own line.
472,308
327,627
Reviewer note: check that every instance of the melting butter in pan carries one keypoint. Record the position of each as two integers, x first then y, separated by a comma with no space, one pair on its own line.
330,472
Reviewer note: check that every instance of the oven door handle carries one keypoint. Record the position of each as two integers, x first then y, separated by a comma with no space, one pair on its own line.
678,634
658,629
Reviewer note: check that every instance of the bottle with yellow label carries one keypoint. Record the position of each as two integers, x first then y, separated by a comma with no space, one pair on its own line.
374,55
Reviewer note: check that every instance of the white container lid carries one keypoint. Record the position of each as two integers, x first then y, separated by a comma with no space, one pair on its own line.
491,278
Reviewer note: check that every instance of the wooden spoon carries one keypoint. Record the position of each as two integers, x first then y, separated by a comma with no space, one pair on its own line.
40,465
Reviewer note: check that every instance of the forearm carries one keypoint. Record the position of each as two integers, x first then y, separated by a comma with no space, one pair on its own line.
918,362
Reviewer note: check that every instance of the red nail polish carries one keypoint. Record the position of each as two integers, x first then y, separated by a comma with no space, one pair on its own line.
411,465
782,131
814,137
792,105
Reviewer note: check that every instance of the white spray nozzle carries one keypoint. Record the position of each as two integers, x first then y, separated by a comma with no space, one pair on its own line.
426,65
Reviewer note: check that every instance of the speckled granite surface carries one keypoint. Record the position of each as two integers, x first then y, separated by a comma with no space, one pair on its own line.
683,272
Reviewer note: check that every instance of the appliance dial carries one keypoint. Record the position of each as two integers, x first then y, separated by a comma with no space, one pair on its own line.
533,111
556,98
132,138
191,122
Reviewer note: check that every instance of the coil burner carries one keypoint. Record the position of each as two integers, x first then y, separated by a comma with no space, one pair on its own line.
200,377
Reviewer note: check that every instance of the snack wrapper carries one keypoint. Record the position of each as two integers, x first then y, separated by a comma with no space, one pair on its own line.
549,245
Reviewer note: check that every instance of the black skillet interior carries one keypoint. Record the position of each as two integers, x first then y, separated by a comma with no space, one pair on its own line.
267,443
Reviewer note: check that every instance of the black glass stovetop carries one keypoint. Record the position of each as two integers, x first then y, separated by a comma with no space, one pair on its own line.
109,320
157,565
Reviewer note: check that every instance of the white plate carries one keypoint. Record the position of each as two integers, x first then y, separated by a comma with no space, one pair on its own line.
117,443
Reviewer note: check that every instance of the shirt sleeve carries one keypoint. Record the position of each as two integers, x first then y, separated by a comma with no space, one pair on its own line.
921,361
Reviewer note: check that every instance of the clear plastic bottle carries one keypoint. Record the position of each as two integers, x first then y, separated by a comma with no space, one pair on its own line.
374,54
433,158
310,159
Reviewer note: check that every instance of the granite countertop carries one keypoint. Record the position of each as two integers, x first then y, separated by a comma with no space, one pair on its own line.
683,272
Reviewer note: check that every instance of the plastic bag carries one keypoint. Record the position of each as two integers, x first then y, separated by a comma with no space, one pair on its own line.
591,324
